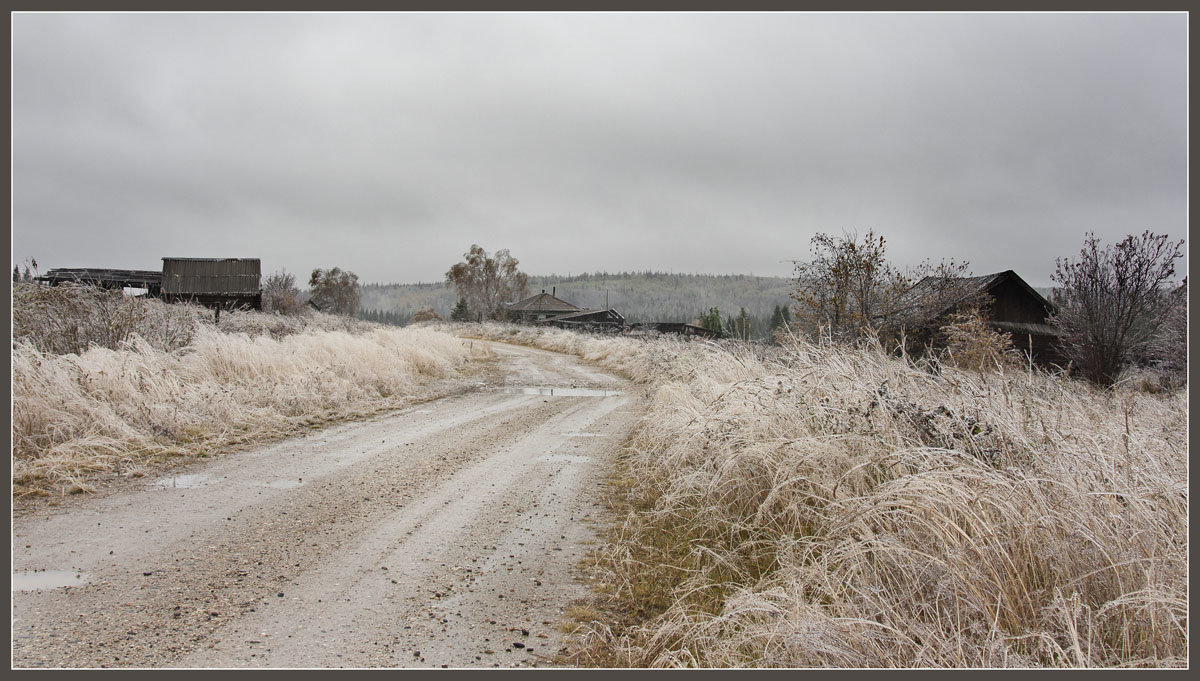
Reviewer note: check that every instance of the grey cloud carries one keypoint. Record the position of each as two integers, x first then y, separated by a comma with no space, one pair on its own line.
389,143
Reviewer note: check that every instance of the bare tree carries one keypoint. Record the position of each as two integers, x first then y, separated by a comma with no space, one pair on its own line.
27,276
841,288
335,291
281,295
1112,302
487,282
849,289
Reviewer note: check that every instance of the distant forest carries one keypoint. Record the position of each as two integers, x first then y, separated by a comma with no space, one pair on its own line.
639,296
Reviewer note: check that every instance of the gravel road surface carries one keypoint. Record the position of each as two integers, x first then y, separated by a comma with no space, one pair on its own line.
443,534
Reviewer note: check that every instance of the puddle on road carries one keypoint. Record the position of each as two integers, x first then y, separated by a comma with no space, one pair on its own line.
34,580
184,481
282,484
560,392
565,457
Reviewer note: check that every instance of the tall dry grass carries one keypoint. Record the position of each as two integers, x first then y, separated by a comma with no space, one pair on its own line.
122,408
71,318
278,325
829,506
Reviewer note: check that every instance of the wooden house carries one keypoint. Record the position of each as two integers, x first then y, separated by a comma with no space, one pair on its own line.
1010,305
214,282
587,320
539,307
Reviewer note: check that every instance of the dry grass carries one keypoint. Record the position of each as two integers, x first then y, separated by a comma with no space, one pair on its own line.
71,318
837,507
279,325
121,409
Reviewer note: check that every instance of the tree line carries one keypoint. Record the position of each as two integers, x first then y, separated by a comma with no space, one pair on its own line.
1113,306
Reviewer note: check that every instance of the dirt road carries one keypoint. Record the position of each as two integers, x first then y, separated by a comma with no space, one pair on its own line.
443,534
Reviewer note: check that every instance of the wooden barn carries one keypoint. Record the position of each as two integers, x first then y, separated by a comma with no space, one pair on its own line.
587,320
214,282
540,307
1011,305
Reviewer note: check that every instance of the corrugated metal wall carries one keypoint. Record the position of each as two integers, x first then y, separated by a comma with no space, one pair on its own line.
211,276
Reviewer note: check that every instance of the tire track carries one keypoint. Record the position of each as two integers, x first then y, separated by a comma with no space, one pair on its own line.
391,519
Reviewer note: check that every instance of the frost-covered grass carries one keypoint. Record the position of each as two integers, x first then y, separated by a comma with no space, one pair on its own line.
72,318
820,505
123,408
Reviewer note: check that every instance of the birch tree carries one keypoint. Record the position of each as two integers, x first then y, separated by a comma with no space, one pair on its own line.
488,282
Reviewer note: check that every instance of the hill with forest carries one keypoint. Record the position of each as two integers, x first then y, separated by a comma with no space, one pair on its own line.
639,296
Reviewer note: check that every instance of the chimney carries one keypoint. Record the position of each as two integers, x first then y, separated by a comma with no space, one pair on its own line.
553,289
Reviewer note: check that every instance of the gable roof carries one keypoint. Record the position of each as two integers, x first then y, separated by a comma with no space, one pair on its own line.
610,313
542,302
946,293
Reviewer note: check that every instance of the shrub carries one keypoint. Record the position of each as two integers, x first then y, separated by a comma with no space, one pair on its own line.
1112,302
70,318
1168,349
971,344
280,294
426,315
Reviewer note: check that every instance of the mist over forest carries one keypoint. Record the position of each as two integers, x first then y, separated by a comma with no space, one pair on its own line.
638,296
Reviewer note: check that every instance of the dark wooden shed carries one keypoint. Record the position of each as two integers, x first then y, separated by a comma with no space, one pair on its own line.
1011,305
215,282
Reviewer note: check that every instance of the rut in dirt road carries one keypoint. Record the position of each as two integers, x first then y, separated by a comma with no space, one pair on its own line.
444,534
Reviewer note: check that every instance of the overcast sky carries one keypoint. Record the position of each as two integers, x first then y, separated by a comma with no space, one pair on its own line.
388,143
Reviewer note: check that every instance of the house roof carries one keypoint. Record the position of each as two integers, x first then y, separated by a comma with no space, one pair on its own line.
946,293
212,259
585,313
132,278
543,302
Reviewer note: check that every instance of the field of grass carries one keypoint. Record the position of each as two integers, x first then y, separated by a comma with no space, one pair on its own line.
155,381
819,505
800,505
